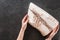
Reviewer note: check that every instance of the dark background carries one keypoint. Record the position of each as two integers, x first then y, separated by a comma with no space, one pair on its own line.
12,12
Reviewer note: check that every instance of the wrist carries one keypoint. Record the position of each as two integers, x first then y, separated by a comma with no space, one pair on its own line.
48,39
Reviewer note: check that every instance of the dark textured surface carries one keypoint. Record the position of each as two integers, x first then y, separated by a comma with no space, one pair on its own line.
12,12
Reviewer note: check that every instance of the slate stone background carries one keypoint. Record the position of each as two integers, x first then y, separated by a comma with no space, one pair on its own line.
12,12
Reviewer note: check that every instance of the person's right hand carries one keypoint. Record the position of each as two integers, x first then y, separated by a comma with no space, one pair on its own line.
52,33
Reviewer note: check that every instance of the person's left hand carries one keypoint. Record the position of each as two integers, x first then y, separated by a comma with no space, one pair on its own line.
23,28
24,22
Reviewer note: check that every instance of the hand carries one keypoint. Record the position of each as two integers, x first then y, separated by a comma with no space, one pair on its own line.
24,22
23,28
53,33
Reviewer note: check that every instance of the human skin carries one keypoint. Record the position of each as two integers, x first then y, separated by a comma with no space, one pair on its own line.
52,34
24,26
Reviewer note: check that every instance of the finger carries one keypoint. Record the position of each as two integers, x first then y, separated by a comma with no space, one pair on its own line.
25,17
26,20
54,32
24,25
